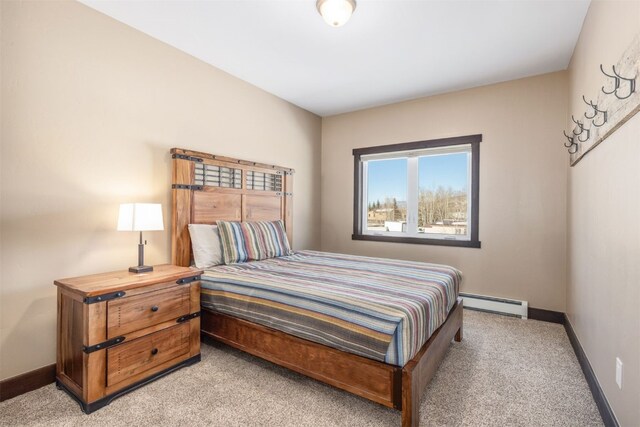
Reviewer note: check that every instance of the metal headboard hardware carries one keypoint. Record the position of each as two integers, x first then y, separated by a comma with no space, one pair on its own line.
596,111
617,80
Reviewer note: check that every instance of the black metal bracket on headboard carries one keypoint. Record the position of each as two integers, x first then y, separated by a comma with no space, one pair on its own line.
185,157
186,187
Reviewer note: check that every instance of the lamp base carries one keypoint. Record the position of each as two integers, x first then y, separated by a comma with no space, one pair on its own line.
141,269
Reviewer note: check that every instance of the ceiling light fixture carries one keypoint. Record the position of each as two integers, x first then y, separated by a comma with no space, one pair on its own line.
336,12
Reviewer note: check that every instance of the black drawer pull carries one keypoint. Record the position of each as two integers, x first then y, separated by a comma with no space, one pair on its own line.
154,351
154,308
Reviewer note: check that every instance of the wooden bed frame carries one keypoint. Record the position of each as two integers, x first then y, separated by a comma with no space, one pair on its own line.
207,188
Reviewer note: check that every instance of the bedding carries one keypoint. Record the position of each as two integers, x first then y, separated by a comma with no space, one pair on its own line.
252,241
205,243
378,308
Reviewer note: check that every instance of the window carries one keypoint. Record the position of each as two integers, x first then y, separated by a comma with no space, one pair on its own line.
419,192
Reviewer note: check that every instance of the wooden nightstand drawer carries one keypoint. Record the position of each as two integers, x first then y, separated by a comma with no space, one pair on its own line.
129,359
141,311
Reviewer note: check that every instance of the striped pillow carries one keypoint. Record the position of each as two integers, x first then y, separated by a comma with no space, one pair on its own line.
252,241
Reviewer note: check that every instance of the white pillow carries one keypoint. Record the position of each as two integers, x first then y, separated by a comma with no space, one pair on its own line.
205,242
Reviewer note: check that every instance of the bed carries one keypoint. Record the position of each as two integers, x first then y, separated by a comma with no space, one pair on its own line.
383,344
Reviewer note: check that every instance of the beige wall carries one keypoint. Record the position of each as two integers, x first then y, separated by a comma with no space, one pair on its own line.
603,291
522,183
90,109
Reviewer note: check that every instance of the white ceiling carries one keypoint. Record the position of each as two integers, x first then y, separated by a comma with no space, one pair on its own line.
389,51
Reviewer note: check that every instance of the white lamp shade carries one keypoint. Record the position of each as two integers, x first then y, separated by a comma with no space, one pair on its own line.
140,217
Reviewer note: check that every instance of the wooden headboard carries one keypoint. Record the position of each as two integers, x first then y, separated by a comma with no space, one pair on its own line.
207,188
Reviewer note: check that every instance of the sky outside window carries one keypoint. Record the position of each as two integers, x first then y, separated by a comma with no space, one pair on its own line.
448,170
388,178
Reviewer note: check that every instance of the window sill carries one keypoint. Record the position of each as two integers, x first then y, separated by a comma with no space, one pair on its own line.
418,240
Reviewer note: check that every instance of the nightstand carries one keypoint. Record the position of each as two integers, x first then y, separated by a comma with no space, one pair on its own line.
119,331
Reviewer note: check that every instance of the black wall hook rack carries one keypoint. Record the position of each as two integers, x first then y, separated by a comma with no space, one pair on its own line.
587,137
571,145
616,83
596,112
618,79
579,126
582,130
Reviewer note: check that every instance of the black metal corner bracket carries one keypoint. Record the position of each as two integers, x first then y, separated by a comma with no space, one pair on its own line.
102,345
105,297
183,319
186,187
186,280
185,157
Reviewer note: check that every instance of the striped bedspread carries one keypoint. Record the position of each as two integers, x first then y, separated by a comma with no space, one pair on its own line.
378,308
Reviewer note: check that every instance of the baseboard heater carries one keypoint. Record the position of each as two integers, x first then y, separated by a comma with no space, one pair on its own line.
508,307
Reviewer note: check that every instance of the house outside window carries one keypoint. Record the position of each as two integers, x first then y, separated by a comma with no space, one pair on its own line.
423,192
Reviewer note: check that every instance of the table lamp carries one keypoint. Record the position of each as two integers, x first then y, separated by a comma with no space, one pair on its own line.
140,217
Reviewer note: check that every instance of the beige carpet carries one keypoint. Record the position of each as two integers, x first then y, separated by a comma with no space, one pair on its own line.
506,372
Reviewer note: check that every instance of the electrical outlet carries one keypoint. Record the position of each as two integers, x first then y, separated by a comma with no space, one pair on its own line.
619,372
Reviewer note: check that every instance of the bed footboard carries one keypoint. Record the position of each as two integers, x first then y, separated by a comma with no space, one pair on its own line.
364,377
392,386
418,372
